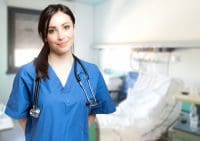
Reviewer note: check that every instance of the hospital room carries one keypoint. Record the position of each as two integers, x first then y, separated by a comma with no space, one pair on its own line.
147,51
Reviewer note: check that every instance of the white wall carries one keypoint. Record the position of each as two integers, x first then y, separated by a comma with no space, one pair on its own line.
4,79
187,68
124,21
83,41
169,23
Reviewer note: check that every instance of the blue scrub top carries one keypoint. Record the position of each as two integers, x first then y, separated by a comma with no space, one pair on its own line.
64,114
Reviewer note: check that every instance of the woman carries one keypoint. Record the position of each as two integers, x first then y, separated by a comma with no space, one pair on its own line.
65,105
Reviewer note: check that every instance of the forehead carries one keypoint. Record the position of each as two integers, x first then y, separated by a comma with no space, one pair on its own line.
59,18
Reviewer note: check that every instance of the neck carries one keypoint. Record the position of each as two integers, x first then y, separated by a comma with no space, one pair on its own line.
57,60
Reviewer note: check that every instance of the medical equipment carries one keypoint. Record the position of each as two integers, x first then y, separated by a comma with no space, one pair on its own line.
91,102
35,110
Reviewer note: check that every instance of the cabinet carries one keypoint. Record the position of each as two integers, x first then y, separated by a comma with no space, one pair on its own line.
178,135
181,131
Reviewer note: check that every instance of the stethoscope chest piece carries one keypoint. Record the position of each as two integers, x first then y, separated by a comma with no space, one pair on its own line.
34,112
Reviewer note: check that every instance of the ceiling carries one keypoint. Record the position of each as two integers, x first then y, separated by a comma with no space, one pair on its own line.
92,2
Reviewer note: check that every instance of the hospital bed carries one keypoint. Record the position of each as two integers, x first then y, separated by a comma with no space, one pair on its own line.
147,112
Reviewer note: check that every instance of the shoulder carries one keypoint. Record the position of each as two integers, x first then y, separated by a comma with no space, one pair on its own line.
95,74
92,70
27,71
91,67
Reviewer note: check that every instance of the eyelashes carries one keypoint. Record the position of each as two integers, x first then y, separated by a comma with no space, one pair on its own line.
52,30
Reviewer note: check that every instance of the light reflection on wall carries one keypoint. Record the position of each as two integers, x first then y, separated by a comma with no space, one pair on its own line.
23,56
116,59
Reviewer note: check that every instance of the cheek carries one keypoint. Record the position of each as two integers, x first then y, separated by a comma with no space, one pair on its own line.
50,40
70,34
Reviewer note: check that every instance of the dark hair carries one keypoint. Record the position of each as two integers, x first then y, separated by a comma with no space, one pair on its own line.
41,62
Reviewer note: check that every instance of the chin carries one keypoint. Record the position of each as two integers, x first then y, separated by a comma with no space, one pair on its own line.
63,52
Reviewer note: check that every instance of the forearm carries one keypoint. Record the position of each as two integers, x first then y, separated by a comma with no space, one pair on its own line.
22,123
91,119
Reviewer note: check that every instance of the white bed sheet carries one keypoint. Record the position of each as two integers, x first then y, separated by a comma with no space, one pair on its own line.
148,110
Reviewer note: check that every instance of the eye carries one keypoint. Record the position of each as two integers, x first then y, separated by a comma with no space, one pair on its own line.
50,31
66,27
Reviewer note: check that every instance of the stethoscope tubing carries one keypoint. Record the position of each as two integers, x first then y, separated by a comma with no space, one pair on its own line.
36,94
35,110
77,60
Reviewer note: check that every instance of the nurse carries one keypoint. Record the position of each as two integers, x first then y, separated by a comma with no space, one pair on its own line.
64,111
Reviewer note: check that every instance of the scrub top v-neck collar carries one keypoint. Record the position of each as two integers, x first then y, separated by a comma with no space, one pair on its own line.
54,77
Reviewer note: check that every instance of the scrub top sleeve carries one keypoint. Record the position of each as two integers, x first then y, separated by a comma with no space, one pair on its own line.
18,102
103,97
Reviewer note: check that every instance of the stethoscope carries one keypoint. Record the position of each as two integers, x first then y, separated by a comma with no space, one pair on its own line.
91,102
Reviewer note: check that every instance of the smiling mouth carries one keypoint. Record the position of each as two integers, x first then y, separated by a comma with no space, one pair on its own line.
62,44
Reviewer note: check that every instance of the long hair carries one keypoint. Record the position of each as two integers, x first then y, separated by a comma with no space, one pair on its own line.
41,61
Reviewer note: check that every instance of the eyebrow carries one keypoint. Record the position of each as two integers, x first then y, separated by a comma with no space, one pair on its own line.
62,25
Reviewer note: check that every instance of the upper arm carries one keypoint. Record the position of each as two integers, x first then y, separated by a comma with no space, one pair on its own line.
19,101
103,96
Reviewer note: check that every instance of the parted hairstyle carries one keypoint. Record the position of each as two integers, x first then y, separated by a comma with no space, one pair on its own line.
41,61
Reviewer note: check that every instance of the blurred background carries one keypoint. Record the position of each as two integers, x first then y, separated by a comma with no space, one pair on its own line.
148,52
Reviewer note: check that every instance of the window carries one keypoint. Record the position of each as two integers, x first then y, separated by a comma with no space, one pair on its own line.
24,42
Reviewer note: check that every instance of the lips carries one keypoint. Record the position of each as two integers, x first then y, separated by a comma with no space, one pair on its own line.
62,44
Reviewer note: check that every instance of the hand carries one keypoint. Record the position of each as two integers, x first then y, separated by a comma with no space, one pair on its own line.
91,119
22,123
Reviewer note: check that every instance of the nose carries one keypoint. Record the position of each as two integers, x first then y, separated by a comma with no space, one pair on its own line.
61,35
